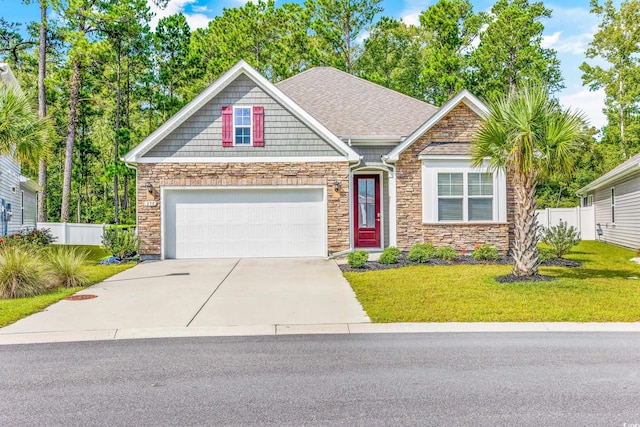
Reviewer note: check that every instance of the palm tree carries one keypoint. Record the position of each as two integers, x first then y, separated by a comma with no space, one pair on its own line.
21,130
528,135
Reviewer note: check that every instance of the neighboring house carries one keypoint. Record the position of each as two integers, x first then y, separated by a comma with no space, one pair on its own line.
321,163
616,200
18,194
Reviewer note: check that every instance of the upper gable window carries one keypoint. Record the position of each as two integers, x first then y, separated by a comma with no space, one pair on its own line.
242,125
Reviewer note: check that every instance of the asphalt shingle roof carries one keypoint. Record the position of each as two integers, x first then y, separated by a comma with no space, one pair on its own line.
447,148
352,107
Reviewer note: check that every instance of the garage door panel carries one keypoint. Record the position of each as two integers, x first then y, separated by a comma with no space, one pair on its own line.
245,223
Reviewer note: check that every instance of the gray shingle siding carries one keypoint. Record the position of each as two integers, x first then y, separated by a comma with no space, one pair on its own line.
201,134
372,153
626,229
10,180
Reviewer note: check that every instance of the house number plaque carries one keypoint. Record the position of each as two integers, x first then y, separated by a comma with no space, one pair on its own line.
150,203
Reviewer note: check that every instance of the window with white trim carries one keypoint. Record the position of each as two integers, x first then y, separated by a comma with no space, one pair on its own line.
613,204
465,196
242,125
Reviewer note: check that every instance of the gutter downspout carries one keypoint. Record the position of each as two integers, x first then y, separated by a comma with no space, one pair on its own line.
393,234
351,248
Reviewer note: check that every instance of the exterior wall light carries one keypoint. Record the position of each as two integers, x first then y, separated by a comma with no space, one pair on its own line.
336,186
149,188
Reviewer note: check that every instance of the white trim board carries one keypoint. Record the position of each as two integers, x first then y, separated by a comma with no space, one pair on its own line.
216,87
463,96
252,159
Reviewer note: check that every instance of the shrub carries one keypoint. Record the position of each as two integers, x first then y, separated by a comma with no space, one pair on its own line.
485,252
34,239
447,253
122,243
21,273
67,266
357,259
390,255
545,254
561,238
422,252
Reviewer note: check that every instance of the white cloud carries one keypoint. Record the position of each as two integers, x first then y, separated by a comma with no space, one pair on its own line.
590,103
195,20
200,9
411,18
574,44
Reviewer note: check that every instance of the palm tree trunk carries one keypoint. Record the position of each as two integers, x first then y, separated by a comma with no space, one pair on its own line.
525,252
74,96
42,108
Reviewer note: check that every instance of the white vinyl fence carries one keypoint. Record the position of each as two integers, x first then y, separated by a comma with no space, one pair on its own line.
74,234
582,218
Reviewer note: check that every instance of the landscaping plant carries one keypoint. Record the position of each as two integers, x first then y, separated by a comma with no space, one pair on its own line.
446,253
357,259
561,238
21,273
485,252
67,266
422,252
390,255
120,242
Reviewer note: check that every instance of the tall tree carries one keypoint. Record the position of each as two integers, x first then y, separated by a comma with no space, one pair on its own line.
11,41
617,42
391,57
510,51
529,136
338,24
171,41
449,29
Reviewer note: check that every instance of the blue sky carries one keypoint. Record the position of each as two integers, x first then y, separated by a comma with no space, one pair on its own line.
568,32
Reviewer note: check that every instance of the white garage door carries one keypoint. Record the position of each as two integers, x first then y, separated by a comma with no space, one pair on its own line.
230,223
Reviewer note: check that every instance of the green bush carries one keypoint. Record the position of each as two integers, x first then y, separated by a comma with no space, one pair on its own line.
422,252
21,273
390,255
447,253
122,243
485,252
34,239
66,266
357,259
561,238
545,254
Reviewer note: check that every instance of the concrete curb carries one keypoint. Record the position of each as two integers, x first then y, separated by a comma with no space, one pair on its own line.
338,328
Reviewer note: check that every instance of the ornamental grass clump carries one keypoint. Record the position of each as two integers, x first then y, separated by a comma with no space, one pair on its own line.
67,267
21,273
561,238
390,255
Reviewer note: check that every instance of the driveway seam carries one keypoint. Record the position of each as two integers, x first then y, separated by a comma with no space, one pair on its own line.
214,291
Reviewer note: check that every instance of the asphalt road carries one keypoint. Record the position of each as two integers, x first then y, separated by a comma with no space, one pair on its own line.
402,379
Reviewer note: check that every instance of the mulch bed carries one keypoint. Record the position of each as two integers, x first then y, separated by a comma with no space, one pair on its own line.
461,260
510,278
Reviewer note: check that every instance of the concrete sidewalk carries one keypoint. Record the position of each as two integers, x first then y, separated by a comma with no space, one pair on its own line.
339,328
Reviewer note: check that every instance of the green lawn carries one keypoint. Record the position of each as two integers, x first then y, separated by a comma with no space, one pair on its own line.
12,310
605,289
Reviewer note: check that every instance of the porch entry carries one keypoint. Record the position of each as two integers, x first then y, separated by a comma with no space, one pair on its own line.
367,211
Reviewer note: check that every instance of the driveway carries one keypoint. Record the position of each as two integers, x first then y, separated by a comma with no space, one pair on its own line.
197,293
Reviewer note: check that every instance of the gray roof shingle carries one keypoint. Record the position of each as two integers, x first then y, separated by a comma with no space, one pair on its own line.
352,107
447,148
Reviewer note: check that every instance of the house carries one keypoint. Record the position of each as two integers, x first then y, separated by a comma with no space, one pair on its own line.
18,194
615,197
318,164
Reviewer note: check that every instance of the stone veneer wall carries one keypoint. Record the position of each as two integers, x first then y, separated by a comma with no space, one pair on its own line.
242,174
459,125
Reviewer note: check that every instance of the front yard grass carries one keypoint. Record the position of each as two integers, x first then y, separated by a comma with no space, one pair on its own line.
12,310
605,289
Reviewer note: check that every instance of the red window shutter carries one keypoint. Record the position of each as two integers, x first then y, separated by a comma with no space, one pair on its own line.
258,126
227,126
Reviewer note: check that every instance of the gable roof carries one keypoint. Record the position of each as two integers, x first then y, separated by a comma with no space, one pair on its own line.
214,89
464,96
626,168
447,149
354,108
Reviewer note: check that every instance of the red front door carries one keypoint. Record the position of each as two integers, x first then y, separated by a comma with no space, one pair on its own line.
367,211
